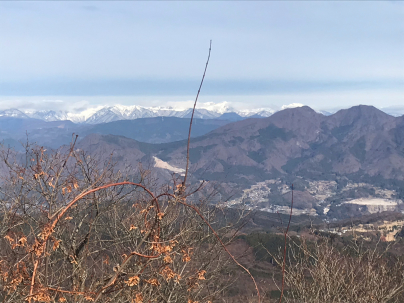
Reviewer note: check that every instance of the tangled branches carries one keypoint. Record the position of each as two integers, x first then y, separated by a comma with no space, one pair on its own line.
320,272
75,230
80,232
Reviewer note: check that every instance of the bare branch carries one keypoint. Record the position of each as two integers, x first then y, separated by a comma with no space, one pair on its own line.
192,117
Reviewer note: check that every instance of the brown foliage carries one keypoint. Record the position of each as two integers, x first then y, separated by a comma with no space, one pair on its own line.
74,230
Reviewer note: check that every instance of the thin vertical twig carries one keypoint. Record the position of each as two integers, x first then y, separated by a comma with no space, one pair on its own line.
192,116
185,180
56,217
284,249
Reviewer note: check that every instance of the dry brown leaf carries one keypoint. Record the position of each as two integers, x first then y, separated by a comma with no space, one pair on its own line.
201,275
22,241
132,281
56,244
168,273
168,259
153,282
9,239
138,298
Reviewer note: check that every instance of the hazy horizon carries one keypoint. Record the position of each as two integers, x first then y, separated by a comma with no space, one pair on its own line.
327,55
85,110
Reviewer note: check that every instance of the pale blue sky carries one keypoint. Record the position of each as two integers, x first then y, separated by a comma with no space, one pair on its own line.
325,54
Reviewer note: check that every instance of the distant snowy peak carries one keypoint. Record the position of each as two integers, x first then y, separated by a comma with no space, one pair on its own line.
49,115
207,110
220,108
132,112
104,114
259,112
115,113
52,115
14,113
324,112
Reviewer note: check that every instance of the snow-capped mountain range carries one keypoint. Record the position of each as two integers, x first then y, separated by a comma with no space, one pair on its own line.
121,112
208,110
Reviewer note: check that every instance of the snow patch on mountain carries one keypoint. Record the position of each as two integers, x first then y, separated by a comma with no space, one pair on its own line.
161,164
259,112
121,112
220,108
15,113
49,115
104,114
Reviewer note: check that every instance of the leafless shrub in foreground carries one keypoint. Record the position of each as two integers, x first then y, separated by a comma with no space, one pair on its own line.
321,273
74,230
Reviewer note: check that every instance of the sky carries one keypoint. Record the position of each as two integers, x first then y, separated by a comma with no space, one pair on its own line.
326,54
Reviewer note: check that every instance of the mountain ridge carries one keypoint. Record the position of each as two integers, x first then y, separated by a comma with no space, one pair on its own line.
299,141
208,110
106,114
361,144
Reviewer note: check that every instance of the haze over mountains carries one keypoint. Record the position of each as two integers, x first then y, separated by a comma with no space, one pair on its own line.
357,152
361,140
359,144
300,141
208,110
56,133
296,140
120,112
